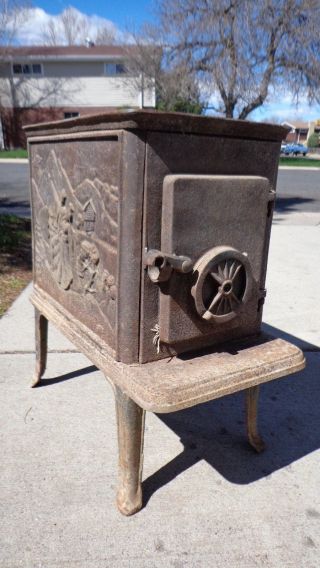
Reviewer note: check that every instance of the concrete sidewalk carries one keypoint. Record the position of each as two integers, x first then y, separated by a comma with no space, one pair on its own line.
210,501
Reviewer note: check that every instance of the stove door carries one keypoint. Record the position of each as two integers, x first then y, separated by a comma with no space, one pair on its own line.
221,224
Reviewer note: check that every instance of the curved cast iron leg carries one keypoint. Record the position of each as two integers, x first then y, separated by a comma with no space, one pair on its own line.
130,421
252,396
41,337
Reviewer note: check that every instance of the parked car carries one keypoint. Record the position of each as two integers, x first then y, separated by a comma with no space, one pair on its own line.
293,149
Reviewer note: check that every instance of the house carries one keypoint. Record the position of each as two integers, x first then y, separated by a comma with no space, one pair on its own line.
300,131
42,83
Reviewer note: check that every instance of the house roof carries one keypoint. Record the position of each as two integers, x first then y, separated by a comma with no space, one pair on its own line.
73,52
296,124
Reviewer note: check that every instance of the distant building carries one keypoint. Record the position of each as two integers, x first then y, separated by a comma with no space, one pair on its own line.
300,131
44,83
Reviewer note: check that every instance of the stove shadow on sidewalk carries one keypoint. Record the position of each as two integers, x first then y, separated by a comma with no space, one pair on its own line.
215,431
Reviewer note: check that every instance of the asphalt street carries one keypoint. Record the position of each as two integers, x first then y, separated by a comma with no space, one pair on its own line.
297,190
14,189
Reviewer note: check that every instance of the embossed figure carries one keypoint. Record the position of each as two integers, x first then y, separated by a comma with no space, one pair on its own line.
108,296
88,261
109,285
60,238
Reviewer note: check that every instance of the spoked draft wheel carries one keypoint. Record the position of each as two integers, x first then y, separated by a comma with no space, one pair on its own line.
223,285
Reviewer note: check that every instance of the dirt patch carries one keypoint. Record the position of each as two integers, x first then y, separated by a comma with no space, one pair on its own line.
15,258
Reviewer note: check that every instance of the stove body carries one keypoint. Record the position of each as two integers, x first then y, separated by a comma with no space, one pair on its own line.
152,230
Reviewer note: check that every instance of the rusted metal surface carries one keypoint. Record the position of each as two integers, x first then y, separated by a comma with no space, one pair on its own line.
130,424
41,340
87,205
254,438
151,235
103,206
202,192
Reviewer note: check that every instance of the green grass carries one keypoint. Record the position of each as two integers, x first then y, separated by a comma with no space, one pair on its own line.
13,153
300,162
14,232
15,258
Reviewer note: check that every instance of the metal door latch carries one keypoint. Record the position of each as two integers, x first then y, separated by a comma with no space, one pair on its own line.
161,264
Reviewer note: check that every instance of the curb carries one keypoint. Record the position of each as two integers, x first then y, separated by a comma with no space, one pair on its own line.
14,161
300,168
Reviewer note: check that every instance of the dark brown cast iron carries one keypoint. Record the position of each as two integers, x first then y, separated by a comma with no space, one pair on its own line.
150,243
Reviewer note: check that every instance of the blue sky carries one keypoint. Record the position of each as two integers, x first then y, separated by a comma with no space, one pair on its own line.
128,14
121,13
284,109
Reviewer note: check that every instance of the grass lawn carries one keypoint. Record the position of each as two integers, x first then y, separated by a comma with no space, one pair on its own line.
13,153
300,162
15,258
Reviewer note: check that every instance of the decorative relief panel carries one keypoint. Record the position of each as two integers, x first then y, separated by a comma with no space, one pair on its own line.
76,231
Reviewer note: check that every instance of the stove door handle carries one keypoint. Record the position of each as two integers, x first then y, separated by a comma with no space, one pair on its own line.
161,264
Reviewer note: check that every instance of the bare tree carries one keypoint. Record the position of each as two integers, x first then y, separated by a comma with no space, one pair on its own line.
240,51
150,66
105,36
12,14
72,27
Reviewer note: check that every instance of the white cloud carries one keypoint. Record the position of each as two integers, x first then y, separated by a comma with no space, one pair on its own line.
283,108
31,32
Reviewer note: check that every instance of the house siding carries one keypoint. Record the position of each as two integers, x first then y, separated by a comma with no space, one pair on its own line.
65,86
83,92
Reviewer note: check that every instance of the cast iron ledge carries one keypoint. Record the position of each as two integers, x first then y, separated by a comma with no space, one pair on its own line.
186,380
163,122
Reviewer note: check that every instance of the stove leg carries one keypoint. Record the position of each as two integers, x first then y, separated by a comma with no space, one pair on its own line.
130,421
252,396
41,337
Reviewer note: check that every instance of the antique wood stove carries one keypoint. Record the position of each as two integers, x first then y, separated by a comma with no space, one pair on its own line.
150,243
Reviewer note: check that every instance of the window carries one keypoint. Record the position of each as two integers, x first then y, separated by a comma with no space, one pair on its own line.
71,114
27,69
17,68
112,69
37,69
